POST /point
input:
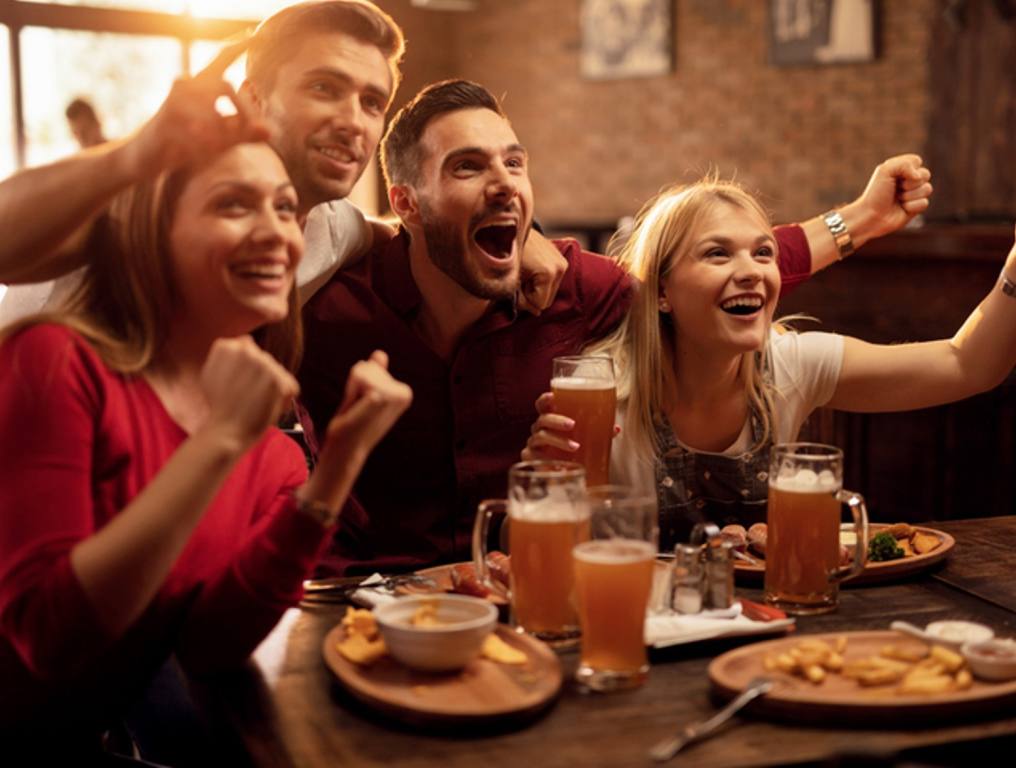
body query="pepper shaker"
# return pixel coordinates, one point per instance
(718, 593)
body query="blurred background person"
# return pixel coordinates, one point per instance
(84, 123)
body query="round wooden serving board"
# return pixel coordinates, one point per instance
(484, 689)
(840, 700)
(873, 572)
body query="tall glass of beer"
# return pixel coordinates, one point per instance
(613, 581)
(584, 390)
(803, 569)
(547, 514)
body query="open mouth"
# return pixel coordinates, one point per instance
(497, 240)
(260, 271)
(742, 305)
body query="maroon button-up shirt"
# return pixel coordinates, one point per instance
(415, 500)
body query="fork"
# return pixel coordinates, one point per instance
(669, 747)
(342, 586)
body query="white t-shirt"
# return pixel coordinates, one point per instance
(806, 368)
(336, 233)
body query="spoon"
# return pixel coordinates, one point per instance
(669, 747)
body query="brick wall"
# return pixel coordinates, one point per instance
(806, 137)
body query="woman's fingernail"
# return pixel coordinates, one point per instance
(570, 423)
(572, 445)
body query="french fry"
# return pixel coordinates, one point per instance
(904, 652)
(951, 660)
(964, 680)
(925, 684)
(883, 676)
(815, 674)
(786, 663)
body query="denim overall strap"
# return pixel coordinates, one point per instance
(696, 487)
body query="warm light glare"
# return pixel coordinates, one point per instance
(255, 10)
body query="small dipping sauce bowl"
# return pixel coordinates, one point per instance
(993, 659)
(952, 634)
(958, 633)
(464, 623)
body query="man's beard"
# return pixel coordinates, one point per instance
(448, 253)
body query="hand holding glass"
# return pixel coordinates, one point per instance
(584, 391)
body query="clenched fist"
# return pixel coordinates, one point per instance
(246, 388)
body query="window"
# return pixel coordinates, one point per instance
(121, 55)
(7, 160)
(125, 77)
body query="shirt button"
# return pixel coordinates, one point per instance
(744, 492)
(745, 457)
(706, 475)
(700, 503)
(762, 476)
(668, 482)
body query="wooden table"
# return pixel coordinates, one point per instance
(286, 710)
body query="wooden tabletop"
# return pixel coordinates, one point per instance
(285, 708)
(982, 563)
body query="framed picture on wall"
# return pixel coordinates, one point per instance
(822, 31)
(626, 38)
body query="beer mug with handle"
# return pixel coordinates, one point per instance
(803, 569)
(546, 513)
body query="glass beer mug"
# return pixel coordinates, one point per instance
(803, 570)
(584, 390)
(546, 514)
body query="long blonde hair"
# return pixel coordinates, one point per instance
(124, 302)
(643, 345)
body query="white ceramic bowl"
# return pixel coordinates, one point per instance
(955, 634)
(466, 621)
(992, 659)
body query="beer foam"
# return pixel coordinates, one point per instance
(580, 382)
(614, 551)
(792, 480)
(556, 507)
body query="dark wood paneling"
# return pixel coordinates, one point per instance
(941, 463)
(972, 116)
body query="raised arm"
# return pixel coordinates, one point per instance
(897, 191)
(909, 376)
(42, 241)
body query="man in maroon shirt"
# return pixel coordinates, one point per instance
(440, 299)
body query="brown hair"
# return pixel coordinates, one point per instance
(280, 33)
(124, 302)
(401, 156)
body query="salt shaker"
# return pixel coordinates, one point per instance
(687, 593)
(718, 591)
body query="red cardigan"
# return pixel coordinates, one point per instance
(77, 443)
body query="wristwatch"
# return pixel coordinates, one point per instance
(838, 229)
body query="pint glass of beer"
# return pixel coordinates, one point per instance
(584, 390)
(803, 569)
(613, 581)
(547, 514)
